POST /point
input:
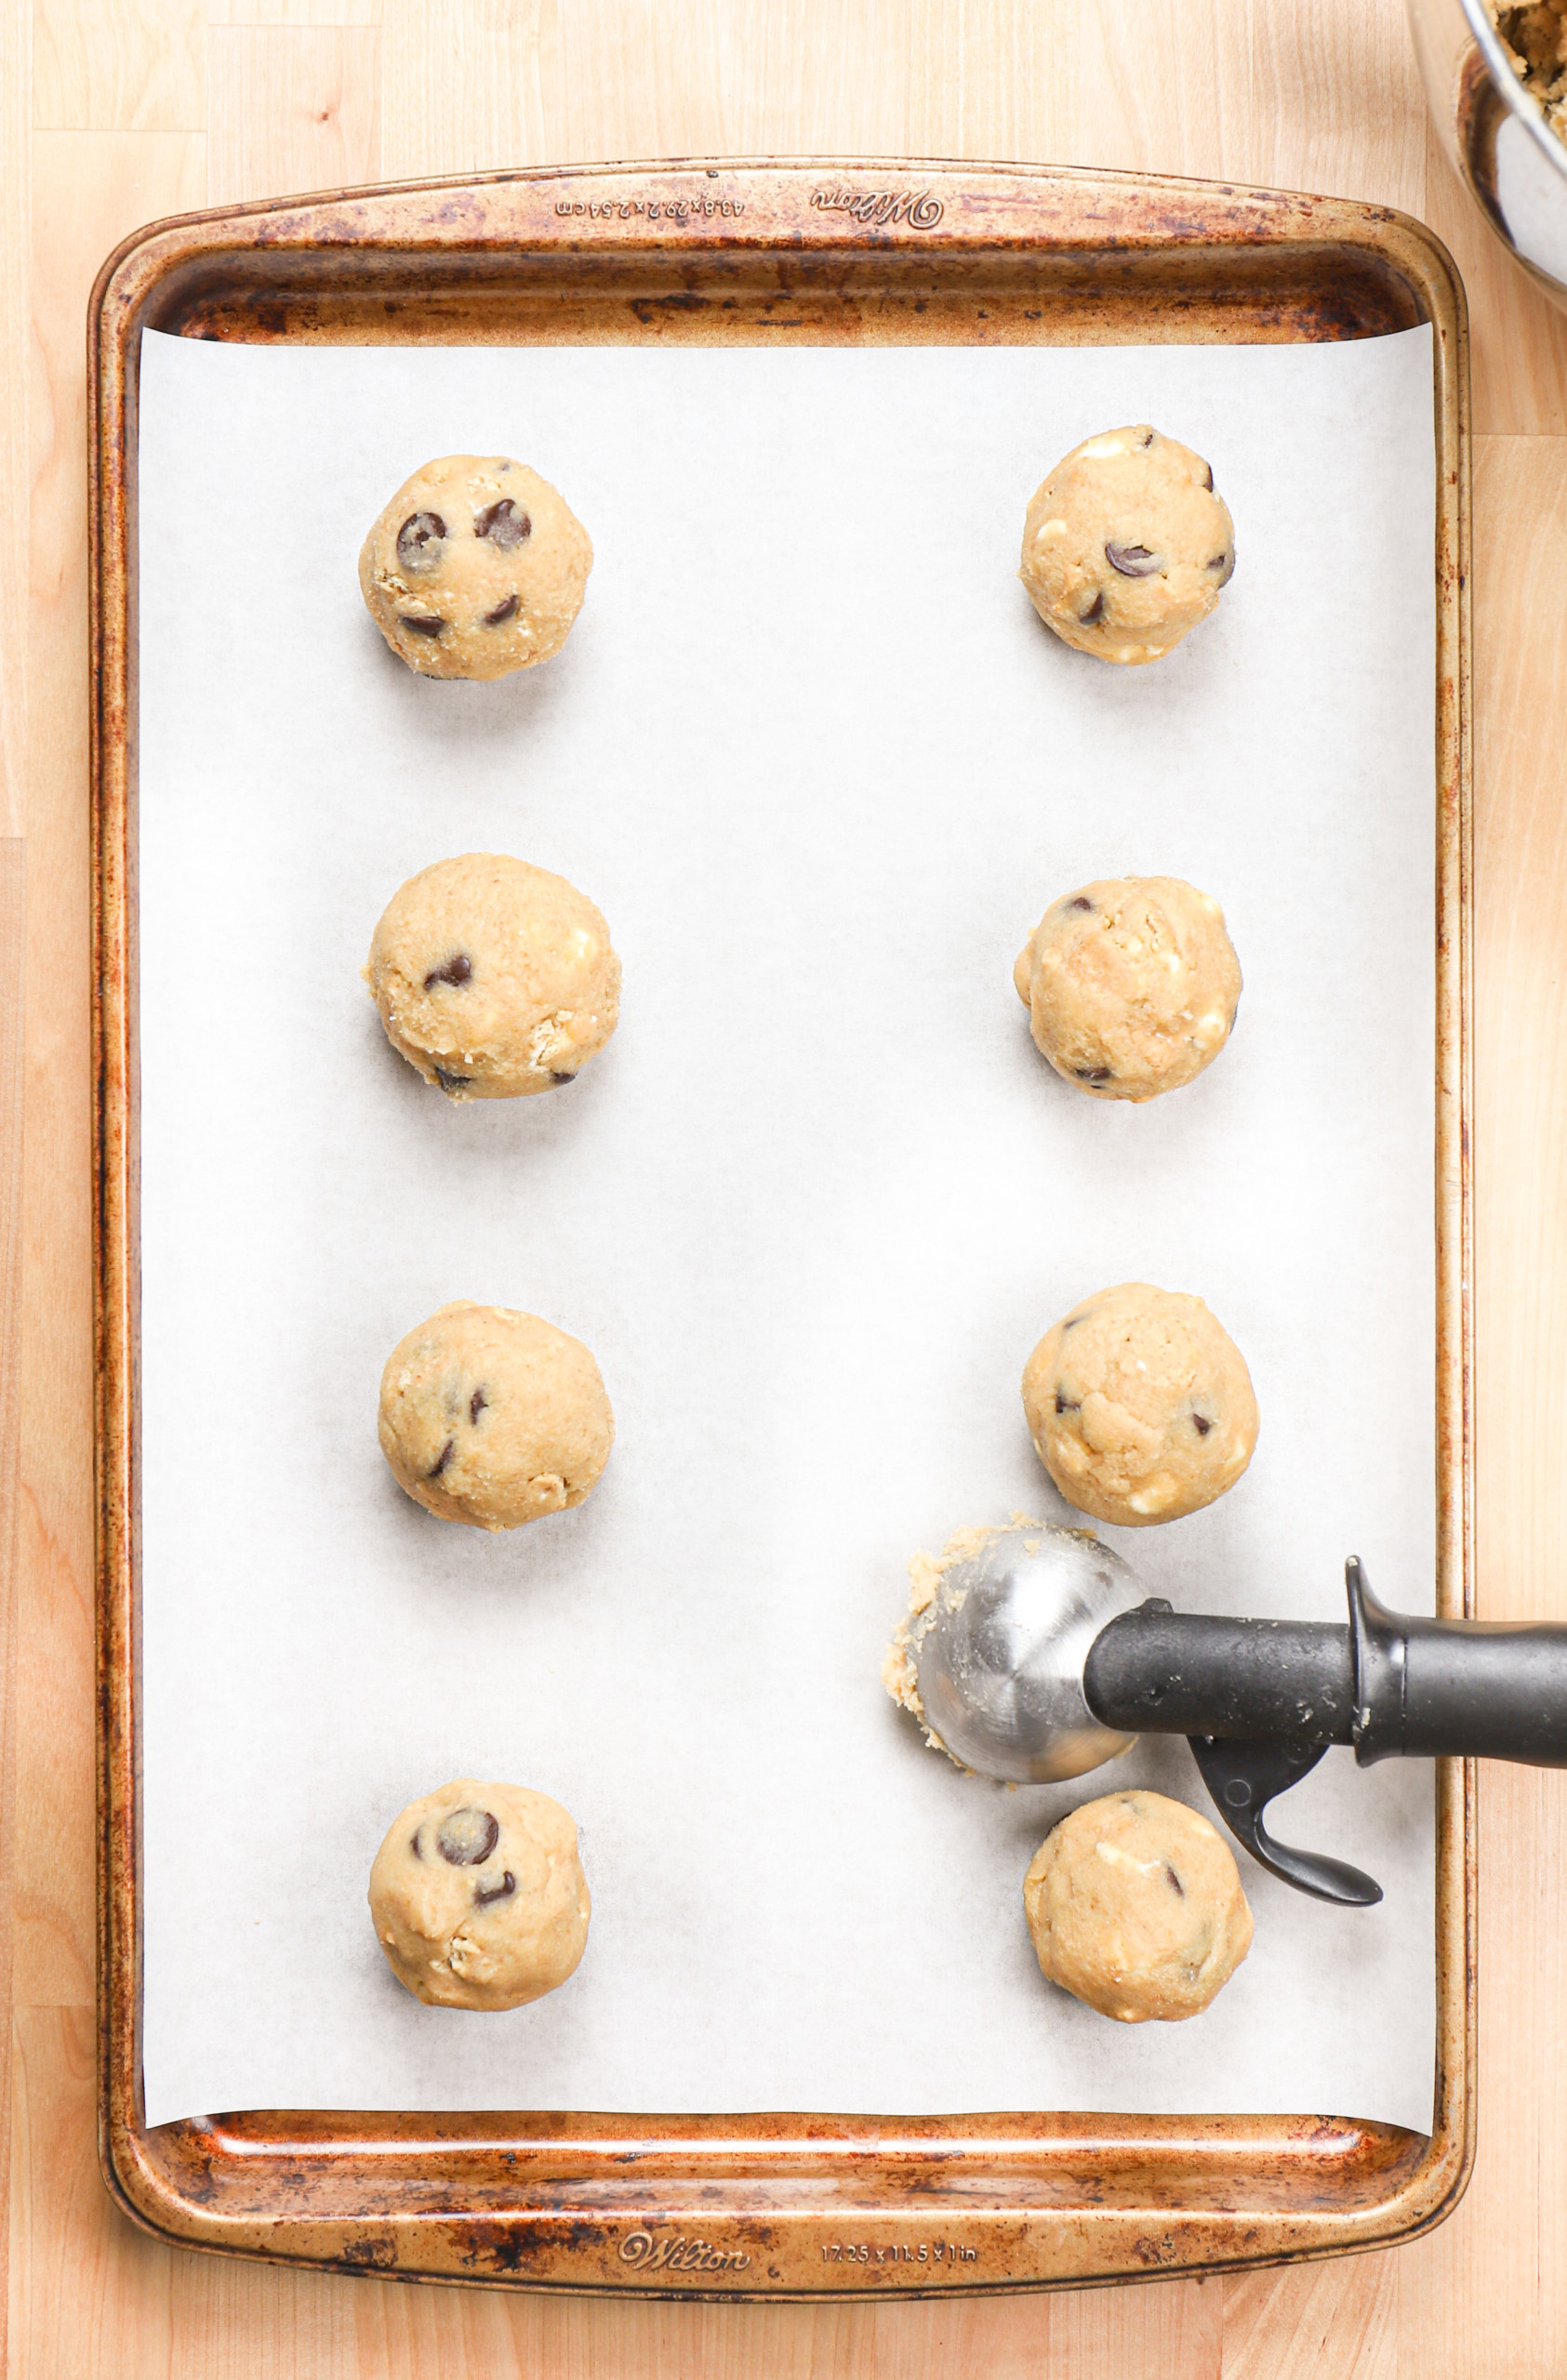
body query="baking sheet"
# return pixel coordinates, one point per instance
(814, 758)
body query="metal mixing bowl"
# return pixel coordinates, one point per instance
(1495, 134)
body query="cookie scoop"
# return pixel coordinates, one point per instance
(1032, 1654)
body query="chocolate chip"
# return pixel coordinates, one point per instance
(466, 1837)
(421, 541)
(1149, 440)
(1072, 1320)
(503, 1891)
(1095, 1074)
(1081, 903)
(452, 1082)
(1175, 1879)
(442, 1459)
(504, 524)
(1203, 1424)
(421, 622)
(415, 1846)
(477, 1404)
(1066, 1405)
(1095, 610)
(556, 1078)
(501, 612)
(456, 971)
(1132, 561)
(1208, 483)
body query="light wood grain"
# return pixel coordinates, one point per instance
(291, 107)
(146, 106)
(16, 209)
(118, 65)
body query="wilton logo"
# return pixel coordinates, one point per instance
(877, 208)
(644, 2253)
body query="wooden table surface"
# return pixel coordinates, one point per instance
(115, 111)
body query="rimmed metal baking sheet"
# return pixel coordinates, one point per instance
(774, 2205)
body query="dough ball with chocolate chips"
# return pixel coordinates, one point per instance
(1125, 546)
(494, 979)
(1135, 1905)
(478, 1897)
(493, 1418)
(476, 568)
(1130, 985)
(1140, 1405)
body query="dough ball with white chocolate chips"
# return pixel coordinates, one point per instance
(494, 1418)
(1140, 1405)
(476, 568)
(1135, 1905)
(494, 979)
(1131, 986)
(1125, 545)
(478, 1897)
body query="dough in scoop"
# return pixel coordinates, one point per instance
(494, 979)
(1140, 1405)
(1131, 986)
(478, 1897)
(493, 1418)
(1125, 545)
(476, 568)
(1135, 1905)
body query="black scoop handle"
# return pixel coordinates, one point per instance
(1390, 1683)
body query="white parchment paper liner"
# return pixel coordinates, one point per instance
(814, 758)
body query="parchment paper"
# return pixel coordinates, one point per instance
(813, 755)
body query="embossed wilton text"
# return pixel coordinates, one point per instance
(876, 207)
(644, 2253)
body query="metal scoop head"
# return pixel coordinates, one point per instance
(1000, 1658)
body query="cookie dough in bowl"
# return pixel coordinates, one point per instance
(494, 978)
(476, 568)
(1140, 1405)
(1125, 545)
(478, 1898)
(493, 1418)
(1135, 1905)
(1131, 986)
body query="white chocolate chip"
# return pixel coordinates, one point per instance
(1116, 1859)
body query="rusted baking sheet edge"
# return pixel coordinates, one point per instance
(782, 2205)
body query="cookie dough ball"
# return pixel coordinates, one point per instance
(1134, 1905)
(494, 979)
(493, 1418)
(1129, 986)
(478, 1897)
(1139, 1406)
(476, 568)
(1125, 546)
